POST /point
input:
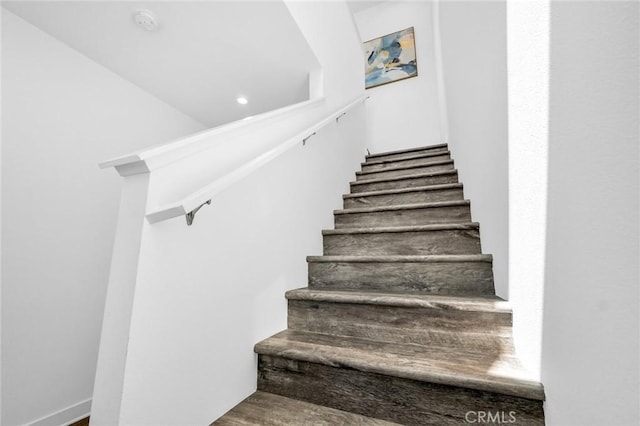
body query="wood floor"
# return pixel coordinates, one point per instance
(81, 422)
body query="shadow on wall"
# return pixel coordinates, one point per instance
(590, 332)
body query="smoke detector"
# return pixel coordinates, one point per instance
(146, 20)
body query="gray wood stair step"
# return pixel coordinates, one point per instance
(418, 158)
(408, 181)
(455, 211)
(406, 150)
(407, 384)
(455, 350)
(495, 371)
(429, 274)
(399, 154)
(458, 238)
(411, 195)
(446, 303)
(394, 317)
(393, 229)
(267, 409)
(485, 258)
(405, 401)
(405, 170)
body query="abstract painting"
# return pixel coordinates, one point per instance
(390, 58)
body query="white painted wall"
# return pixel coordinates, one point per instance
(591, 324)
(473, 45)
(528, 52)
(202, 296)
(61, 114)
(1, 350)
(403, 114)
(336, 49)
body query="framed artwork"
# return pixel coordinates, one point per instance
(390, 58)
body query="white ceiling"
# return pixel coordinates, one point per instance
(357, 5)
(204, 55)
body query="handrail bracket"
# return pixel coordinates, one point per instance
(192, 214)
(304, 141)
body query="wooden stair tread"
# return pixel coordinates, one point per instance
(405, 259)
(434, 349)
(267, 409)
(399, 229)
(411, 157)
(445, 356)
(405, 190)
(396, 207)
(403, 167)
(404, 151)
(450, 303)
(404, 177)
(491, 372)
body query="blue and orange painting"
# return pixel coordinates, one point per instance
(390, 58)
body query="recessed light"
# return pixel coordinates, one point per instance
(242, 100)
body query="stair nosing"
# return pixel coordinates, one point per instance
(396, 207)
(417, 156)
(293, 405)
(407, 167)
(438, 187)
(395, 178)
(336, 356)
(432, 258)
(403, 151)
(401, 229)
(459, 303)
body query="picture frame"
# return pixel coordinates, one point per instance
(390, 58)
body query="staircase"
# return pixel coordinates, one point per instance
(400, 323)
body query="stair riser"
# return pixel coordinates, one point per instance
(430, 196)
(404, 183)
(464, 241)
(404, 155)
(400, 400)
(418, 216)
(408, 162)
(404, 172)
(397, 324)
(443, 278)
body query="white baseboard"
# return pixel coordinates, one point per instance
(66, 416)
